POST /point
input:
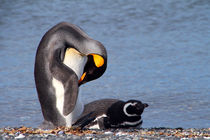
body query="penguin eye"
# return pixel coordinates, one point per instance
(138, 107)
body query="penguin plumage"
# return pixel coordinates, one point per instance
(111, 113)
(65, 59)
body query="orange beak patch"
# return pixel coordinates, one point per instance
(82, 77)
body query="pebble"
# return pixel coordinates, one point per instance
(108, 133)
(127, 134)
(60, 132)
(20, 136)
(120, 134)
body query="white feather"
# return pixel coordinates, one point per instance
(125, 108)
(59, 93)
(131, 123)
(99, 117)
(96, 126)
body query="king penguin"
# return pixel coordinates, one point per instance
(65, 59)
(112, 113)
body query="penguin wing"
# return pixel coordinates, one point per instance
(70, 96)
(85, 120)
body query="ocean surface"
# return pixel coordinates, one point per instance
(158, 52)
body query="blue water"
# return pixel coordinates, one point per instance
(158, 52)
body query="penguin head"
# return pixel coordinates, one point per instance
(86, 66)
(134, 108)
(88, 48)
(94, 68)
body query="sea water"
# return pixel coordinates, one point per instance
(158, 52)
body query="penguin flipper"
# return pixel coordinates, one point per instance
(84, 121)
(70, 97)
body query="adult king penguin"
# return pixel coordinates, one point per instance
(66, 58)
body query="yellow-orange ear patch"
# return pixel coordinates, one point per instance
(98, 60)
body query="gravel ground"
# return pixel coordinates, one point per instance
(127, 134)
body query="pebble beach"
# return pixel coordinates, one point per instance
(128, 134)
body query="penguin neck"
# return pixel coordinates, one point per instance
(75, 60)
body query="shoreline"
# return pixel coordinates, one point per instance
(69, 133)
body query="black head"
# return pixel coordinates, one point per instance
(134, 108)
(93, 70)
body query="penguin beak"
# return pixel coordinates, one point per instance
(82, 77)
(146, 105)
